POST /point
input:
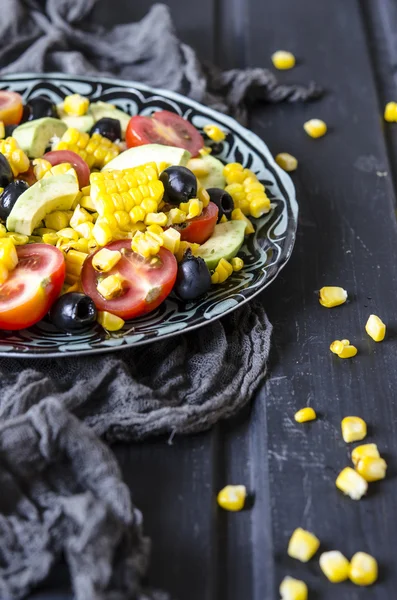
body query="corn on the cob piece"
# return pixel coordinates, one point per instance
(214, 132)
(293, 589)
(96, 150)
(16, 157)
(283, 60)
(351, 483)
(247, 191)
(75, 105)
(305, 414)
(363, 569)
(375, 328)
(109, 321)
(303, 545)
(335, 566)
(232, 497)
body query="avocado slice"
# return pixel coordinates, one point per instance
(225, 242)
(214, 168)
(45, 196)
(99, 110)
(83, 123)
(140, 155)
(34, 136)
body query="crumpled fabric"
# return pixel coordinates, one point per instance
(63, 38)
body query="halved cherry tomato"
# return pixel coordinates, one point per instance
(28, 176)
(164, 127)
(199, 229)
(147, 282)
(56, 157)
(32, 286)
(11, 108)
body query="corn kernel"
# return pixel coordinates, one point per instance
(237, 215)
(155, 229)
(203, 195)
(8, 254)
(375, 328)
(111, 286)
(351, 483)
(184, 247)
(293, 589)
(214, 132)
(58, 219)
(156, 219)
(76, 105)
(232, 497)
(371, 468)
(354, 429)
(68, 233)
(390, 114)
(363, 569)
(223, 270)
(75, 257)
(85, 230)
(259, 206)
(171, 239)
(80, 215)
(215, 278)
(303, 545)
(283, 60)
(335, 566)
(2, 130)
(176, 216)
(102, 233)
(41, 166)
(287, 161)
(3, 230)
(105, 260)
(3, 273)
(305, 414)
(18, 238)
(109, 321)
(137, 214)
(50, 238)
(343, 349)
(370, 450)
(237, 263)
(331, 296)
(315, 128)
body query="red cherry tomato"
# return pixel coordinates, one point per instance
(11, 108)
(147, 282)
(199, 229)
(56, 157)
(32, 286)
(164, 127)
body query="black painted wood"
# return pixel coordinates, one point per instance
(347, 236)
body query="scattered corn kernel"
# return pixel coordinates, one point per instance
(303, 545)
(363, 569)
(375, 328)
(102, 233)
(283, 60)
(354, 429)
(111, 286)
(364, 450)
(237, 263)
(156, 219)
(247, 191)
(16, 157)
(18, 238)
(351, 483)
(68, 233)
(8, 254)
(105, 260)
(287, 161)
(214, 132)
(75, 257)
(50, 238)
(343, 349)
(331, 296)
(109, 321)
(305, 414)
(232, 497)
(390, 114)
(335, 566)
(237, 215)
(371, 468)
(41, 166)
(315, 128)
(184, 247)
(57, 220)
(76, 105)
(293, 589)
(222, 271)
(171, 240)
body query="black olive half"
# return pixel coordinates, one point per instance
(10, 196)
(223, 200)
(108, 128)
(40, 107)
(73, 312)
(180, 184)
(6, 175)
(193, 279)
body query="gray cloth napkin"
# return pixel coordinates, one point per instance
(62, 492)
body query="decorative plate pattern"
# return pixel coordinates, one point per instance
(264, 254)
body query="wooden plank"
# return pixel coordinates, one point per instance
(347, 236)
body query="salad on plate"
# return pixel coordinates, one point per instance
(103, 215)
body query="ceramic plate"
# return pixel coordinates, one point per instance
(264, 254)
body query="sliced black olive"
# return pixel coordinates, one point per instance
(73, 312)
(223, 200)
(10, 196)
(6, 175)
(108, 128)
(9, 130)
(27, 111)
(193, 279)
(180, 184)
(41, 107)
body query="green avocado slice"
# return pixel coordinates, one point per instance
(225, 242)
(140, 155)
(34, 136)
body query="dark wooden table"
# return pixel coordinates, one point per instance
(347, 236)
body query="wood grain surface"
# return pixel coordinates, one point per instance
(347, 236)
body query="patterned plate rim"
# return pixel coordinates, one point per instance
(231, 123)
